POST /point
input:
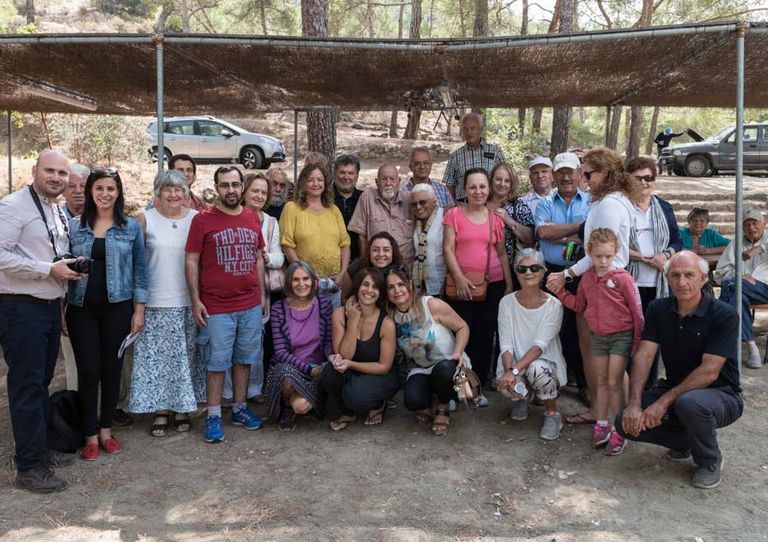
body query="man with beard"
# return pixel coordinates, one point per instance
(278, 182)
(385, 208)
(346, 170)
(225, 277)
(754, 284)
(540, 175)
(33, 279)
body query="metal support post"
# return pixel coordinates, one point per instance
(295, 146)
(741, 31)
(160, 98)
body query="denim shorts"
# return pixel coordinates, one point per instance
(231, 337)
(618, 344)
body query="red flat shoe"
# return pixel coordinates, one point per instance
(90, 452)
(111, 446)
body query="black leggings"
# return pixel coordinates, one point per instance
(482, 317)
(420, 387)
(96, 331)
(359, 393)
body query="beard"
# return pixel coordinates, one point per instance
(388, 194)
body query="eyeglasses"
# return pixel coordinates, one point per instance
(645, 178)
(588, 174)
(522, 269)
(230, 186)
(420, 203)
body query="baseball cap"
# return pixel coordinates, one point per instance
(539, 161)
(567, 159)
(753, 214)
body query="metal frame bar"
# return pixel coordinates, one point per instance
(741, 31)
(160, 105)
(295, 145)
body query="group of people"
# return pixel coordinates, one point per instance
(353, 295)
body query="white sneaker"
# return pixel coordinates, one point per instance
(452, 406)
(753, 361)
(481, 401)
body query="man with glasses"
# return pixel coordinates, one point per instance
(420, 165)
(225, 277)
(280, 185)
(540, 175)
(346, 170)
(428, 266)
(33, 280)
(557, 221)
(385, 208)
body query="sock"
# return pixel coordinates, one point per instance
(237, 407)
(753, 350)
(214, 411)
(602, 423)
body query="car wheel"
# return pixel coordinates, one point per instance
(251, 158)
(153, 155)
(697, 166)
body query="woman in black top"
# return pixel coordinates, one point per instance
(362, 375)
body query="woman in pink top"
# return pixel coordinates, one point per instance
(610, 301)
(465, 248)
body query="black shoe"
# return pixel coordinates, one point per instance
(58, 459)
(121, 418)
(40, 480)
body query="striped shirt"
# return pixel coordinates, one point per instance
(485, 155)
(443, 195)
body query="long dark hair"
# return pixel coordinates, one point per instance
(89, 212)
(377, 276)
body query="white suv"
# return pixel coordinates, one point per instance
(214, 141)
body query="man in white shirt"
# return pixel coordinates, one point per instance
(754, 286)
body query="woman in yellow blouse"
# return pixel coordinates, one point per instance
(312, 230)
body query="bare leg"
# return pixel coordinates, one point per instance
(616, 372)
(600, 365)
(551, 406)
(240, 375)
(215, 387)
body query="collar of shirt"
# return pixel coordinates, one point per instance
(700, 311)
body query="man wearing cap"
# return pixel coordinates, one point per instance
(662, 142)
(475, 153)
(540, 174)
(557, 220)
(754, 286)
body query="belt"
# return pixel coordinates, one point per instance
(24, 298)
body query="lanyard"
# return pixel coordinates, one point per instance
(63, 219)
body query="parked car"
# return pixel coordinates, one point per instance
(718, 153)
(215, 141)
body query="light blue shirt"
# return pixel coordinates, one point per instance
(554, 210)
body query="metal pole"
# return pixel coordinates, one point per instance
(295, 145)
(10, 153)
(741, 30)
(160, 99)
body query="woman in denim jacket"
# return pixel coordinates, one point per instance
(106, 304)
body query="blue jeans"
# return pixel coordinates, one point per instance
(750, 293)
(232, 337)
(692, 421)
(30, 335)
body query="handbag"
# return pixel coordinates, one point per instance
(275, 278)
(466, 384)
(476, 278)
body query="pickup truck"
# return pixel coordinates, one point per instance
(706, 157)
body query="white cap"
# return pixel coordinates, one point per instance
(567, 159)
(753, 214)
(540, 161)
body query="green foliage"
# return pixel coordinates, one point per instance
(30, 28)
(99, 139)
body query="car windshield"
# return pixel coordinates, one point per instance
(721, 134)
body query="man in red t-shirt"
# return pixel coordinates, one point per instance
(225, 277)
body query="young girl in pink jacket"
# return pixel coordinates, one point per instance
(610, 301)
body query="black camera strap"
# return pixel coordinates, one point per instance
(63, 219)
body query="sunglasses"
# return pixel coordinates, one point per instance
(522, 269)
(645, 178)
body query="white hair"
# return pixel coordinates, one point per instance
(426, 188)
(170, 177)
(530, 253)
(79, 170)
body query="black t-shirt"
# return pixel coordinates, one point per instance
(96, 291)
(347, 207)
(713, 328)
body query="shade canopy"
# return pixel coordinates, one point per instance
(686, 65)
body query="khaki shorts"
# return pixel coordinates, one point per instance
(618, 344)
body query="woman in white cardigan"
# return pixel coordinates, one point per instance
(531, 360)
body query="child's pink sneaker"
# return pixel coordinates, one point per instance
(600, 435)
(616, 444)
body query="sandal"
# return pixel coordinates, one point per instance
(182, 423)
(376, 417)
(580, 419)
(440, 428)
(287, 421)
(159, 429)
(342, 421)
(424, 416)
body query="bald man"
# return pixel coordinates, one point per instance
(385, 208)
(33, 280)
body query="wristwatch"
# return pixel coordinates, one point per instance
(515, 371)
(569, 275)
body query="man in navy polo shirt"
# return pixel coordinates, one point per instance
(698, 336)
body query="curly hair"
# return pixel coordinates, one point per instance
(602, 236)
(301, 186)
(617, 179)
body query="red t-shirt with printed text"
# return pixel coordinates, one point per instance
(229, 246)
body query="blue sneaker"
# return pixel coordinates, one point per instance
(214, 429)
(247, 419)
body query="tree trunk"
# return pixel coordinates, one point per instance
(635, 131)
(185, 27)
(262, 15)
(321, 127)
(536, 122)
(652, 131)
(393, 124)
(612, 141)
(29, 11)
(521, 111)
(480, 26)
(627, 126)
(108, 6)
(414, 115)
(561, 116)
(462, 24)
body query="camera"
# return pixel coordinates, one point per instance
(80, 265)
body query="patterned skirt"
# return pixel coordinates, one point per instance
(168, 373)
(309, 388)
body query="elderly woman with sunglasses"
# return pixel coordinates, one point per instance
(531, 359)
